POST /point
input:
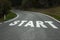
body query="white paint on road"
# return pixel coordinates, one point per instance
(22, 23)
(30, 23)
(51, 23)
(14, 23)
(38, 24)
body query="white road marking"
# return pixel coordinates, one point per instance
(22, 23)
(51, 24)
(30, 23)
(38, 24)
(14, 23)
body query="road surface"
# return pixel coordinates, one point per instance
(32, 32)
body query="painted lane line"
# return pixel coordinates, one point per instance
(38, 24)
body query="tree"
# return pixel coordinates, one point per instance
(35, 3)
(5, 7)
(16, 3)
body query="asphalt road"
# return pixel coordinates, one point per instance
(30, 33)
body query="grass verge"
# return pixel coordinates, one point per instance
(9, 16)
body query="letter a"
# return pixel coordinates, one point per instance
(30, 23)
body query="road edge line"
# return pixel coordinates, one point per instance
(51, 17)
(48, 16)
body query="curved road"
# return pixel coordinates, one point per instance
(16, 32)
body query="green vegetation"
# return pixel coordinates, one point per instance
(9, 16)
(54, 11)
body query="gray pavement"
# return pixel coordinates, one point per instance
(16, 32)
